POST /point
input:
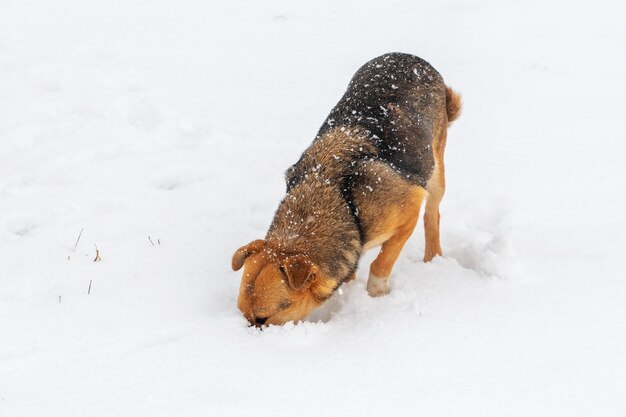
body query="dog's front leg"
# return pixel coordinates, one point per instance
(378, 282)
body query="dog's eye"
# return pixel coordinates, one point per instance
(284, 304)
(282, 269)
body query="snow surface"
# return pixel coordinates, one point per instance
(175, 121)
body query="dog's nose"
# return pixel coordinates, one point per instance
(260, 321)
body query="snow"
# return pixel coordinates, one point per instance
(175, 121)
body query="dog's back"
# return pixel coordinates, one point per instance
(400, 101)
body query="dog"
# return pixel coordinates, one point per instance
(360, 184)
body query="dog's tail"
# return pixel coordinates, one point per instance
(453, 104)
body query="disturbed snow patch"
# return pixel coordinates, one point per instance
(484, 242)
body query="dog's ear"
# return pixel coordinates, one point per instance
(300, 271)
(243, 252)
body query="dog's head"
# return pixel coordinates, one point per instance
(277, 288)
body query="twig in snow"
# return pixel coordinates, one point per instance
(79, 235)
(158, 241)
(150, 240)
(98, 258)
(59, 299)
(89, 290)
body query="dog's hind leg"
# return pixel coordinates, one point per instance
(436, 187)
(378, 282)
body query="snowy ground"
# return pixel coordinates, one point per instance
(175, 121)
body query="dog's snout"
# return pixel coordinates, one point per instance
(260, 321)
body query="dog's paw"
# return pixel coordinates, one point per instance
(377, 287)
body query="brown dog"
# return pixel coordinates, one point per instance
(360, 184)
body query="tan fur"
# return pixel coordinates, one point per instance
(400, 226)
(264, 292)
(436, 187)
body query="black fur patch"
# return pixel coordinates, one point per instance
(345, 187)
(395, 99)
